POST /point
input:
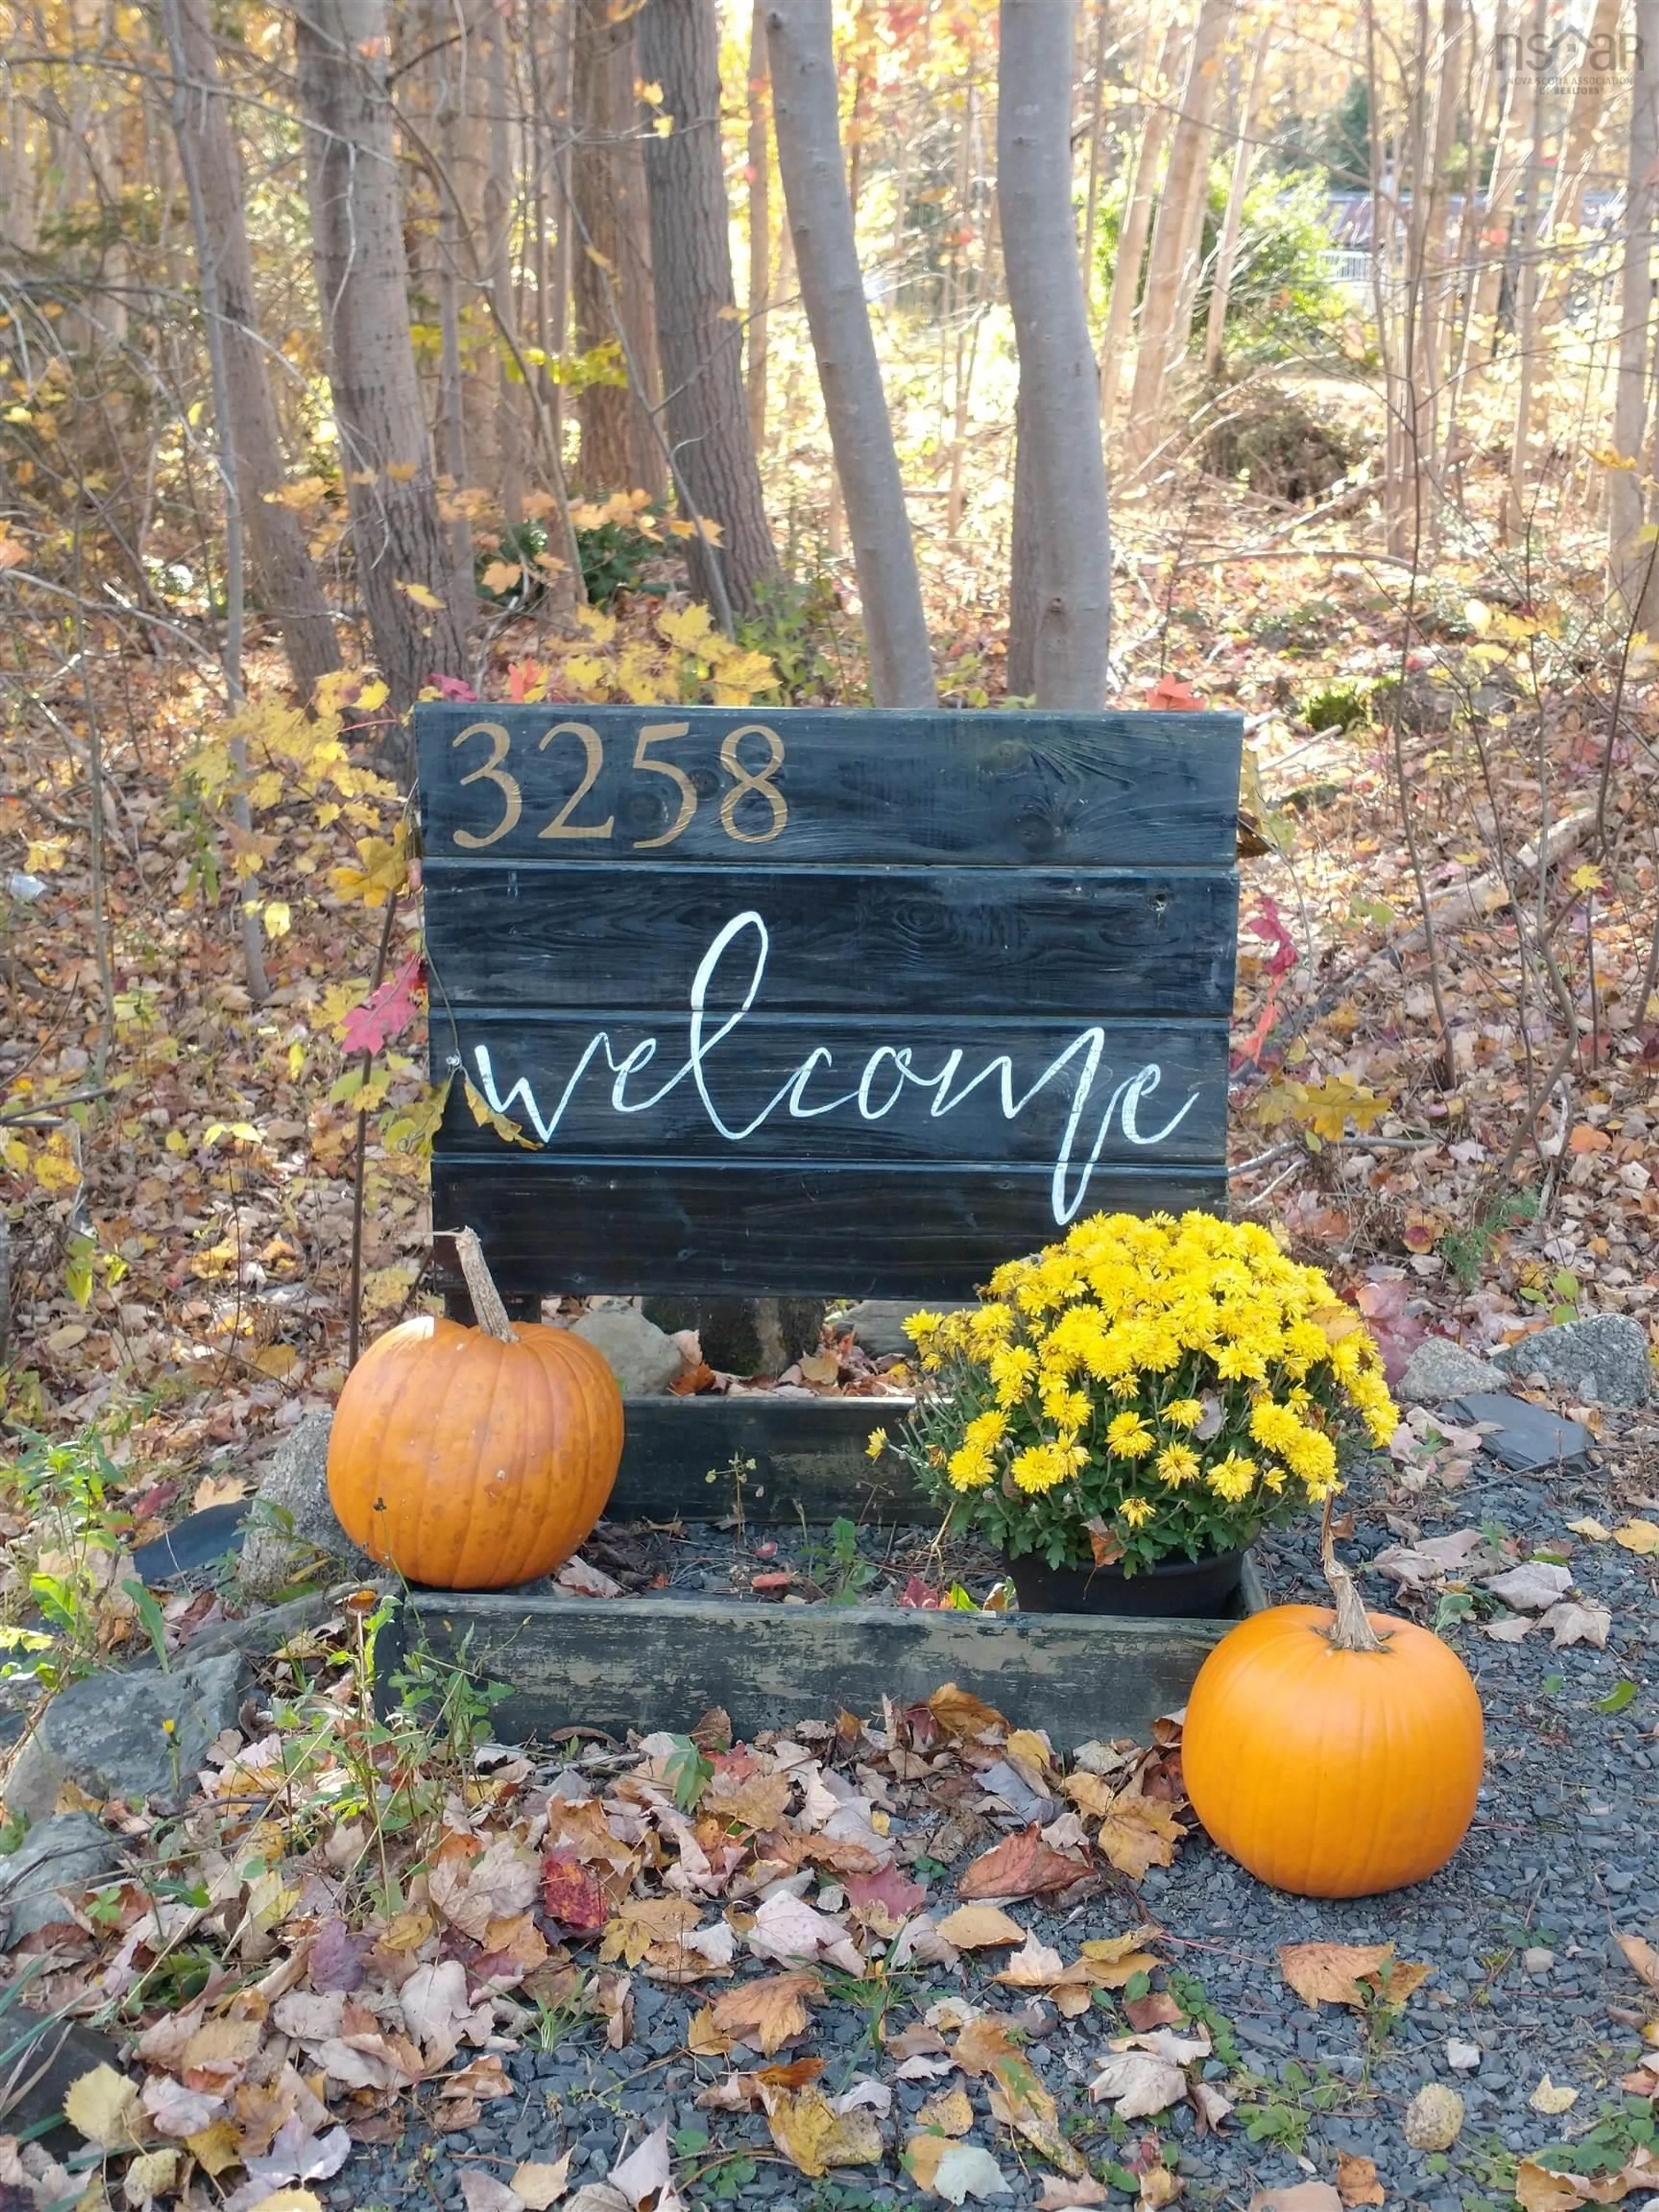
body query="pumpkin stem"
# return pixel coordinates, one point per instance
(1351, 1631)
(487, 1304)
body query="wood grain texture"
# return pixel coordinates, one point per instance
(636, 1224)
(861, 1103)
(840, 940)
(1055, 790)
(662, 1663)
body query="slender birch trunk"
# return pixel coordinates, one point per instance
(356, 216)
(1134, 229)
(1628, 561)
(760, 222)
(1226, 252)
(1155, 352)
(804, 117)
(292, 591)
(1060, 409)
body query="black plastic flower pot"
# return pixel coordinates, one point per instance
(1175, 1589)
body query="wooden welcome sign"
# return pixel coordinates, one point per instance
(816, 1003)
(823, 1002)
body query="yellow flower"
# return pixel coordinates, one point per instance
(1040, 1466)
(1012, 1366)
(1128, 1436)
(920, 1326)
(1136, 1511)
(1185, 1412)
(969, 1469)
(1232, 1479)
(876, 1444)
(985, 1429)
(1177, 1463)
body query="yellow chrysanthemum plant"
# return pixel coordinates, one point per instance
(1145, 1390)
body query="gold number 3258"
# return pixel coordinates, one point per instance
(746, 782)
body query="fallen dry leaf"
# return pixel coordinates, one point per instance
(1578, 1621)
(1349, 1973)
(1552, 2097)
(954, 2171)
(767, 2012)
(814, 2136)
(1639, 1536)
(1138, 2085)
(969, 1718)
(103, 2107)
(1356, 2180)
(948, 2114)
(1021, 1865)
(980, 1927)
(1643, 1956)
(1303, 2196)
(1158, 2187)
(481, 2192)
(1060, 2193)
(537, 2185)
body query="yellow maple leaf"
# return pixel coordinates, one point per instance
(103, 2107)
(688, 627)
(417, 594)
(486, 1116)
(502, 575)
(277, 917)
(382, 868)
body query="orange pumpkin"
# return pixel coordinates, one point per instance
(474, 1458)
(1333, 1752)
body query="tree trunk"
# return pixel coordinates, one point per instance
(605, 464)
(635, 300)
(1226, 252)
(759, 223)
(699, 332)
(1096, 142)
(1589, 106)
(1630, 564)
(351, 179)
(292, 592)
(799, 38)
(1515, 504)
(1131, 232)
(1155, 353)
(510, 397)
(1060, 407)
(1019, 669)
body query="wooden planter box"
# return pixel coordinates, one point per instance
(662, 1662)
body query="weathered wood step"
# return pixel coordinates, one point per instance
(650, 1664)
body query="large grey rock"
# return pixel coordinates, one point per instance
(1610, 1350)
(878, 1324)
(292, 1535)
(110, 1734)
(744, 1336)
(65, 1852)
(1438, 1370)
(643, 1357)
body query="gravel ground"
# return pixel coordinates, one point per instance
(1519, 1931)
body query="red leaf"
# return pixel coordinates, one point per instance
(387, 1013)
(451, 687)
(890, 1887)
(920, 1595)
(1171, 695)
(334, 1961)
(570, 1895)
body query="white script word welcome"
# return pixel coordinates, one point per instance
(887, 1074)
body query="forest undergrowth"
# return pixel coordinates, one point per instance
(1456, 1121)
